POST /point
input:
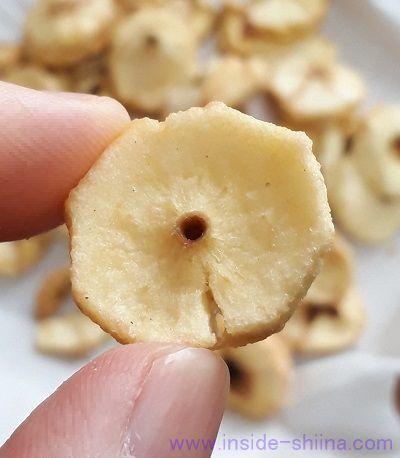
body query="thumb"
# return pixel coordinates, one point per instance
(134, 401)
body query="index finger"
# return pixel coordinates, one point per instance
(48, 142)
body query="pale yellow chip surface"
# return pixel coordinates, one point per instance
(206, 229)
(153, 50)
(365, 214)
(60, 33)
(17, 257)
(35, 77)
(260, 376)
(332, 315)
(68, 336)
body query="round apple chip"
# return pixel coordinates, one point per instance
(260, 377)
(332, 315)
(61, 33)
(376, 151)
(205, 229)
(152, 52)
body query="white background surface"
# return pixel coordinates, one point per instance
(349, 395)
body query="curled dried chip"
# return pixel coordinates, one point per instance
(258, 26)
(35, 77)
(364, 214)
(133, 5)
(283, 19)
(181, 98)
(332, 316)
(318, 328)
(202, 16)
(336, 275)
(308, 88)
(89, 76)
(153, 51)
(376, 151)
(69, 336)
(10, 55)
(53, 292)
(205, 229)
(233, 80)
(199, 14)
(229, 79)
(17, 257)
(61, 33)
(260, 377)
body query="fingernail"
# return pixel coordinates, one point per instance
(182, 399)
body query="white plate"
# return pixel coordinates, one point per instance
(343, 396)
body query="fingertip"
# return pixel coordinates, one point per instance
(133, 399)
(49, 141)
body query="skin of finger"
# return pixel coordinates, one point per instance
(48, 142)
(91, 414)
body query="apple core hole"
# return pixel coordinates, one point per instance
(192, 227)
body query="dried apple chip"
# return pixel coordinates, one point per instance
(53, 292)
(17, 257)
(153, 51)
(332, 315)
(232, 80)
(35, 77)
(68, 336)
(318, 328)
(376, 151)
(363, 213)
(10, 55)
(61, 33)
(260, 377)
(262, 26)
(205, 229)
(310, 88)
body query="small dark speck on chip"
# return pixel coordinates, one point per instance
(86, 297)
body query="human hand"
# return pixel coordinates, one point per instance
(134, 400)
